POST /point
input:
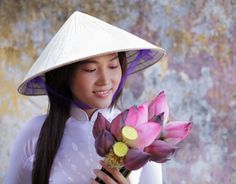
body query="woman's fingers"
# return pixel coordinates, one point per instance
(116, 174)
(117, 177)
(103, 176)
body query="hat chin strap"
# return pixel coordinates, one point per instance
(130, 70)
(61, 97)
(120, 87)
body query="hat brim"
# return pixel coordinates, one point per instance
(81, 37)
(33, 87)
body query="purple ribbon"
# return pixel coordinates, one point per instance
(142, 54)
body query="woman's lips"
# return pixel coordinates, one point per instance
(102, 93)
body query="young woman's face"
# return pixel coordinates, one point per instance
(96, 80)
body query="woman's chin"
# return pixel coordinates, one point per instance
(103, 105)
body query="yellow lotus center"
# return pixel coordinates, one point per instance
(120, 149)
(129, 133)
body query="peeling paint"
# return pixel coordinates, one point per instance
(198, 73)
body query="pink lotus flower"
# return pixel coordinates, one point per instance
(139, 134)
(172, 132)
(137, 118)
(176, 131)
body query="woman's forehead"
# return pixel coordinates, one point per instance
(111, 55)
(103, 58)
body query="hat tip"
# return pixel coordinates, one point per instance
(78, 14)
(75, 13)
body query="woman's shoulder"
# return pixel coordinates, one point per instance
(37, 119)
(33, 126)
(35, 122)
(27, 138)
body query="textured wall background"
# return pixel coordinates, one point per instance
(198, 73)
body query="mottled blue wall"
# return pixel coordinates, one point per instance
(198, 72)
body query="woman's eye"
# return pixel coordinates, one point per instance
(114, 66)
(89, 70)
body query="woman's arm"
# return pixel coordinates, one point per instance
(20, 165)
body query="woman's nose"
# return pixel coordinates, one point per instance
(103, 78)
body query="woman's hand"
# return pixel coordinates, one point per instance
(120, 179)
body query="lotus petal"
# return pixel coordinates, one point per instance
(147, 133)
(158, 106)
(137, 115)
(176, 131)
(160, 151)
(117, 124)
(142, 114)
(100, 124)
(132, 116)
(135, 159)
(104, 142)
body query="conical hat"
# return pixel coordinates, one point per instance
(81, 37)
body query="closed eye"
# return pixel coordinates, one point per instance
(114, 67)
(89, 70)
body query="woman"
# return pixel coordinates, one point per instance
(82, 70)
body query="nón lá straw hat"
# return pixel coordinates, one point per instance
(81, 37)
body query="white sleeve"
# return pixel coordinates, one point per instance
(20, 166)
(151, 174)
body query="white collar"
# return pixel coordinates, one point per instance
(80, 115)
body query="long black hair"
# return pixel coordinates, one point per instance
(58, 112)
